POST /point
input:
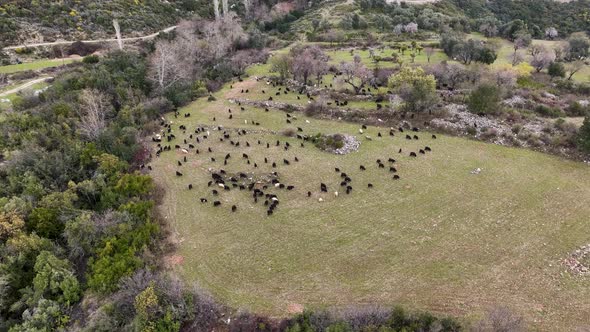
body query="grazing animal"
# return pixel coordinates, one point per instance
(290, 187)
(212, 159)
(234, 208)
(433, 136)
(392, 169)
(296, 159)
(190, 187)
(396, 177)
(421, 151)
(337, 169)
(214, 192)
(362, 168)
(408, 137)
(381, 166)
(274, 165)
(427, 148)
(216, 203)
(413, 154)
(370, 185)
(203, 200)
(400, 151)
(178, 173)
(179, 163)
(323, 188)
(416, 137)
(391, 160)
(286, 162)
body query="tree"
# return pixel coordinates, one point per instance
(574, 67)
(93, 112)
(416, 88)
(485, 99)
(356, 74)
(307, 61)
(54, 280)
(578, 46)
(522, 39)
(551, 33)
(489, 26)
(542, 57)
(280, 64)
(556, 69)
(170, 63)
(411, 28)
(584, 135)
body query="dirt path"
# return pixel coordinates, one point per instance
(24, 86)
(153, 35)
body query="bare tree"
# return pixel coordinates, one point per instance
(542, 57)
(168, 64)
(411, 27)
(308, 61)
(551, 33)
(356, 74)
(574, 67)
(500, 320)
(93, 113)
(216, 9)
(118, 33)
(225, 7)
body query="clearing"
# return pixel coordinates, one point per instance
(439, 239)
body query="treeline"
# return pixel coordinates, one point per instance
(538, 15)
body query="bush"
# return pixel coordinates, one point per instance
(328, 142)
(551, 112)
(485, 99)
(91, 59)
(584, 136)
(576, 109)
(556, 69)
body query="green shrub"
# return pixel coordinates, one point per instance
(546, 111)
(576, 109)
(485, 99)
(584, 136)
(91, 59)
(556, 69)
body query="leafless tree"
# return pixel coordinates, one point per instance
(551, 33)
(308, 61)
(411, 27)
(356, 74)
(93, 113)
(118, 33)
(166, 68)
(216, 9)
(541, 57)
(500, 320)
(225, 7)
(574, 67)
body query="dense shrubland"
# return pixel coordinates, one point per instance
(77, 219)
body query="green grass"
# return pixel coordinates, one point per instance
(506, 51)
(439, 239)
(36, 65)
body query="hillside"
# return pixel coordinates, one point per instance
(39, 21)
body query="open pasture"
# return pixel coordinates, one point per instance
(440, 238)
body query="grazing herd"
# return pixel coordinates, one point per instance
(263, 187)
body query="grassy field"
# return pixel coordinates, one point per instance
(439, 239)
(506, 51)
(35, 65)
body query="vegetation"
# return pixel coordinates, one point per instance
(485, 99)
(108, 209)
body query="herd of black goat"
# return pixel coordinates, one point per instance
(258, 185)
